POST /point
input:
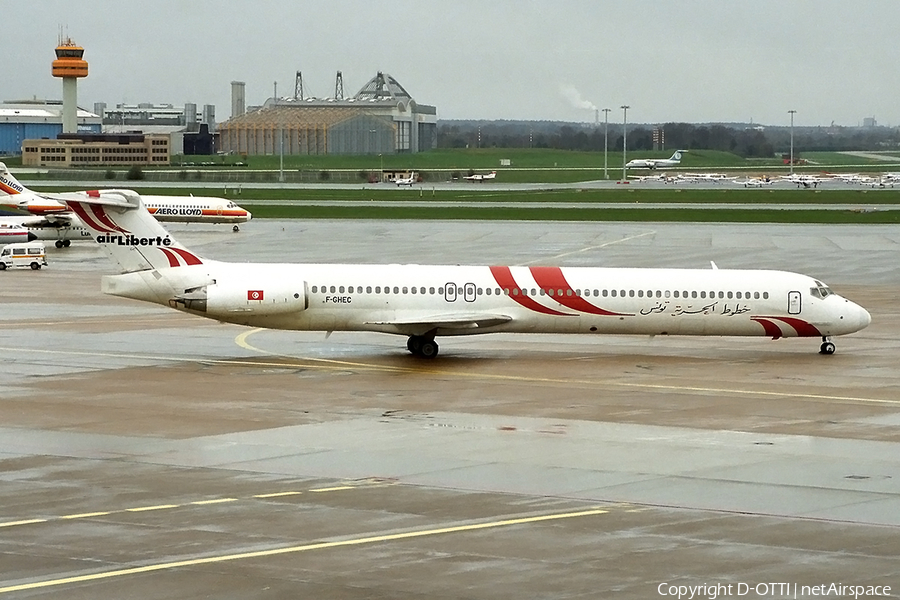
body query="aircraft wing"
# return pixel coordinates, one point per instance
(420, 324)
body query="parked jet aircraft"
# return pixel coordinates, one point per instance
(655, 163)
(406, 180)
(17, 198)
(423, 302)
(481, 178)
(12, 232)
(59, 228)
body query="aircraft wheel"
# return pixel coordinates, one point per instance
(67, 243)
(414, 344)
(235, 228)
(429, 349)
(826, 348)
(59, 243)
(35, 266)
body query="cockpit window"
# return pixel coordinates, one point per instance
(820, 291)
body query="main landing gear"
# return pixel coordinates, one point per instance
(235, 229)
(63, 243)
(422, 346)
(827, 346)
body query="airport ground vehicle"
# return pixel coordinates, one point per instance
(23, 255)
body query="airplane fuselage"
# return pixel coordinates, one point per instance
(400, 299)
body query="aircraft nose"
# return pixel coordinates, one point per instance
(864, 317)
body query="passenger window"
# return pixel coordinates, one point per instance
(413, 290)
(738, 295)
(721, 295)
(765, 295)
(640, 293)
(693, 294)
(313, 289)
(488, 291)
(341, 290)
(377, 289)
(703, 294)
(613, 292)
(756, 295)
(675, 293)
(368, 289)
(605, 293)
(668, 294)
(396, 289)
(332, 289)
(730, 295)
(631, 293)
(431, 291)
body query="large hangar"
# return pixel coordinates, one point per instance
(382, 118)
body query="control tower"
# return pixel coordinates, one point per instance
(70, 65)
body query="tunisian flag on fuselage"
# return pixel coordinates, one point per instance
(254, 294)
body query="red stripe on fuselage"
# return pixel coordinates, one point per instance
(802, 328)
(552, 278)
(503, 277)
(770, 328)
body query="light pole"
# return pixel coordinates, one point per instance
(625, 108)
(281, 154)
(605, 143)
(792, 140)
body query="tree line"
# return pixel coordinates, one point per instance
(747, 140)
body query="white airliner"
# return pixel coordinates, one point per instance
(422, 302)
(481, 177)
(60, 228)
(406, 180)
(11, 232)
(655, 163)
(17, 198)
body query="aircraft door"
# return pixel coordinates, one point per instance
(450, 292)
(793, 303)
(469, 292)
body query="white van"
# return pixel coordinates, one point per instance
(23, 255)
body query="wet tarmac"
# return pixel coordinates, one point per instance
(149, 454)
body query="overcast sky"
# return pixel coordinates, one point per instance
(693, 60)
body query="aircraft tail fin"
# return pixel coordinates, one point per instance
(677, 156)
(9, 185)
(133, 239)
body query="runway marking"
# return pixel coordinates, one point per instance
(86, 515)
(593, 383)
(333, 364)
(138, 509)
(588, 248)
(277, 494)
(148, 508)
(25, 522)
(391, 537)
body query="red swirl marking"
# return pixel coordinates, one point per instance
(802, 328)
(101, 215)
(190, 259)
(503, 277)
(173, 260)
(553, 278)
(770, 328)
(78, 209)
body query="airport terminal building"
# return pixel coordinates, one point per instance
(382, 118)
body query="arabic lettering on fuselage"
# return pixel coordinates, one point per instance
(690, 309)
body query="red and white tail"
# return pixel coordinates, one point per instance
(9, 185)
(119, 222)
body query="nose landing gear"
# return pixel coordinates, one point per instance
(827, 346)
